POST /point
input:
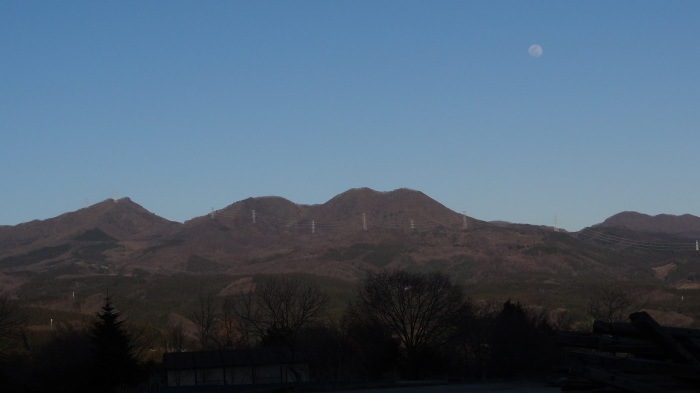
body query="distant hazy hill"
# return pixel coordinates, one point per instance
(683, 226)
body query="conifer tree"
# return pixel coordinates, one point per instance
(113, 362)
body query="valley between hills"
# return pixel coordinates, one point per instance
(63, 267)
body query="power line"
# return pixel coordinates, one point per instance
(605, 237)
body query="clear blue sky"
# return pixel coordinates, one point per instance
(187, 105)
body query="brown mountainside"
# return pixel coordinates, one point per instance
(357, 230)
(685, 225)
(120, 219)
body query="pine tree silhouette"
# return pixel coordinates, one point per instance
(113, 362)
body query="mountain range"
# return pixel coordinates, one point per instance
(357, 230)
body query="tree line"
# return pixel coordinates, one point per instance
(400, 324)
(103, 356)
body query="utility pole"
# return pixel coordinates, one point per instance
(313, 226)
(464, 220)
(253, 216)
(364, 222)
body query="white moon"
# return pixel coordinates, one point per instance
(535, 50)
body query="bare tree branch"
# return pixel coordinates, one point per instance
(418, 308)
(206, 319)
(610, 303)
(175, 339)
(277, 310)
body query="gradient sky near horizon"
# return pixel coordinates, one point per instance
(185, 106)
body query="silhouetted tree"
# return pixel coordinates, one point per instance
(63, 363)
(277, 310)
(474, 332)
(331, 354)
(230, 335)
(113, 362)
(521, 343)
(610, 303)
(373, 352)
(420, 309)
(175, 339)
(206, 319)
